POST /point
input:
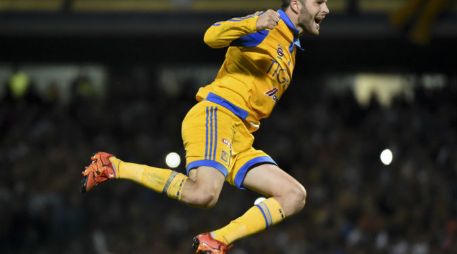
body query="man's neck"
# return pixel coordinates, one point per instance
(293, 18)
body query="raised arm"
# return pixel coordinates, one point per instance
(222, 33)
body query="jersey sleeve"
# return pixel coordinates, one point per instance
(222, 33)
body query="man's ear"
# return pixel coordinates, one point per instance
(295, 6)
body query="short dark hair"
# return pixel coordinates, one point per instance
(285, 4)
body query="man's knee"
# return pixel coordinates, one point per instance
(299, 195)
(203, 187)
(206, 199)
(203, 196)
(293, 199)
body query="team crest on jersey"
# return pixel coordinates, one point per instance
(280, 51)
(273, 94)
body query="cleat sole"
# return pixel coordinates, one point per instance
(195, 243)
(83, 184)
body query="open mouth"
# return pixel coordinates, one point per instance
(318, 21)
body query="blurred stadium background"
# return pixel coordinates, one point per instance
(78, 76)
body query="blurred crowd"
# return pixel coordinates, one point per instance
(328, 142)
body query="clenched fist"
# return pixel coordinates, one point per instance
(268, 20)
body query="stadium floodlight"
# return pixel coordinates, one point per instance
(386, 156)
(173, 160)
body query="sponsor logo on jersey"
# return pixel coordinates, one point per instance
(273, 93)
(276, 69)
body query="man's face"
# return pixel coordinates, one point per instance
(312, 12)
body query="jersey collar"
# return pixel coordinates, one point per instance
(292, 27)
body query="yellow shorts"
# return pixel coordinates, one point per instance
(215, 137)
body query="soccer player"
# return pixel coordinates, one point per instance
(217, 131)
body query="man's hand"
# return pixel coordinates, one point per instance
(268, 20)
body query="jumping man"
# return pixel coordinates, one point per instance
(217, 131)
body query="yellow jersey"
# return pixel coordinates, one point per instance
(257, 69)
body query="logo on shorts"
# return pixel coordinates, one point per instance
(224, 156)
(226, 142)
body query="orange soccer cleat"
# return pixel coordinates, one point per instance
(97, 172)
(205, 244)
